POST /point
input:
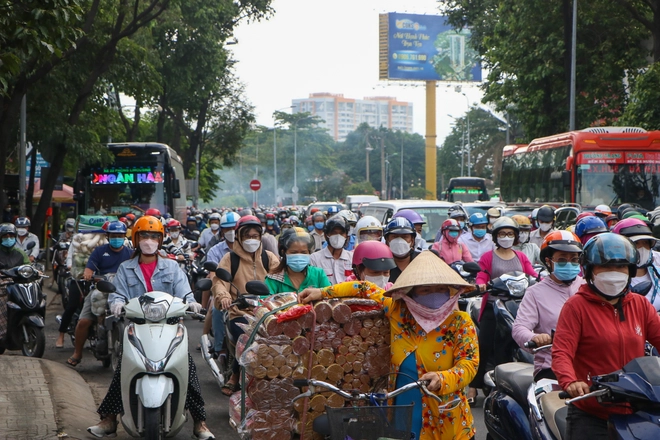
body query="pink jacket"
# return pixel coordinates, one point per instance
(452, 252)
(538, 313)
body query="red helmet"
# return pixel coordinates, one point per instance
(130, 216)
(375, 255)
(270, 215)
(174, 224)
(248, 220)
(153, 212)
(450, 224)
(583, 215)
(122, 219)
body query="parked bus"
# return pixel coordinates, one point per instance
(598, 165)
(466, 189)
(142, 176)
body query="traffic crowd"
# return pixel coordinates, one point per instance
(581, 303)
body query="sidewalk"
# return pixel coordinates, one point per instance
(41, 399)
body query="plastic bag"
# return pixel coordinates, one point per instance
(294, 312)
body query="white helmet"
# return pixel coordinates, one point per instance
(369, 228)
(350, 216)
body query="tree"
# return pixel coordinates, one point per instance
(643, 109)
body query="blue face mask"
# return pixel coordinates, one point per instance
(116, 243)
(453, 234)
(319, 225)
(566, 272)
(431, 300)
(479, 233)
(8, 242)
(461, 224)
(310, 228)
(297, 262)
(270, 222)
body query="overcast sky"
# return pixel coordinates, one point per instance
(311, 46)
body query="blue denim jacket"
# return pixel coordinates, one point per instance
(168, 277)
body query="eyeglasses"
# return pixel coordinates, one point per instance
(563, 261)
(148, 235)
(506, 235)
(252, 237)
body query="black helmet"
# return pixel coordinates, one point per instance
(545, 214)
(336, 221)
(622, 208)
(609, 249)
(22, 222)
(7, 228)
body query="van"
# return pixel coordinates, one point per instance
(354, 202)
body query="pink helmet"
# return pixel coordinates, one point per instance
(375, 255)
(635, 229)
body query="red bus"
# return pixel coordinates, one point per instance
(598, 165)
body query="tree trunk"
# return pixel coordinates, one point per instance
(47, 187)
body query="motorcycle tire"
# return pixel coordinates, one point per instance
(116, 349)
(36, 343)
(152, 424)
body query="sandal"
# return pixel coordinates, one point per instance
(230, 388)
(73, 362)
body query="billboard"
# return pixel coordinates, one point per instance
(425, 48)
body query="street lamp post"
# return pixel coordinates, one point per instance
(467, 115)
(401, 170)
(463, 142)
(277, 202)
(294, 190)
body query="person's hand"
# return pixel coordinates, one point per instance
(225, 303)
(180, 257)
(577, 389)
(542, 339)
(435, 380)
(31, 259)
(310, 294)
(481, 288)
(194, 307)
(116, 307)
(87, 274)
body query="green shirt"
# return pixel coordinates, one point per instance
(280, 282)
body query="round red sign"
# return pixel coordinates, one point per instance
(255, 185)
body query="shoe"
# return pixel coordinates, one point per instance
(105, 428)
(201, 431)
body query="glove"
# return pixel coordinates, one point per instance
(116, 308)
(194, 307)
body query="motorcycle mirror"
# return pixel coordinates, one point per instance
(472, 268)
(210, 266)
(196, 233)
(31, 244)
(251, 300)
(257, 288)
(642, 288)
(105, 286)
(193, 244)
(223, 275)
(203, 284)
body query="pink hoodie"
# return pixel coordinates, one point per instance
(452, 251)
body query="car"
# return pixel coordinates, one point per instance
(482, 207)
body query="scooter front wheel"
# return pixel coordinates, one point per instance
(152, 424)
(36, 342)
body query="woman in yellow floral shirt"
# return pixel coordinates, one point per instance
(430, 340)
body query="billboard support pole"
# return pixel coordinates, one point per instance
(431, 149)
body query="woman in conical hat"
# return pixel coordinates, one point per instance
(430, 340)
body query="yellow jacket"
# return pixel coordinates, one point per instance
(450, 349)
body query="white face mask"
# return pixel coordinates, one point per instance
(174, 235)
(215, 226)
(148, 246)
(611, 284)
(545, 227)
(644, 256)
(251, 245)
(380, 280)
(523, 237)
(230, 236)
(21, 231)
(337, 241)
(399, 247)
(505, 242)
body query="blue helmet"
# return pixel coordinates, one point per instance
(400, 226)
(332, 209)
(229, 220)
(609, 249)
(478, 219)
(116, 227)
(590, 225)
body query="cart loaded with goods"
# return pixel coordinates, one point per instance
(345, 342)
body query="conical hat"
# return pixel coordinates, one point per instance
(427, 269)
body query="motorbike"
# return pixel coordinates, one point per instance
(154, 364)
(61, 274)
(470, 302)
(26, 310)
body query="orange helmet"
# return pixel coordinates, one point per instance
(523, 222)
(559, 241)
(147, 224)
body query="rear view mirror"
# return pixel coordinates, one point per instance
(566, 178)
(642, 288)
(176, 189)
(224, 275)
(31, 244)
(210, 266)
(203, 284)
(257, 288)
(472, 268)
(105, 286)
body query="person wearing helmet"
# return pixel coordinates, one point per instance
(448, 247)
(294, 273)
(351, 219)
(492, 215)
(154, 212)
(373, 262)
(539, 310)
(400, 236)
(104, 260)
(368, 228)
(418, 222)
(295, 221)
(334, 259)
(272, 227)
(318, 221)
(602, 211)
(587, 227)
(285, 224)
(130, 220)
(10, 254)
(247, 261)
(192, 230)
(600, 329)
(143, 273)
(211, 233)
(648, 267)
(478, 240)
(175, 243)
(25, 237)
(532, 218)
(545, 218)
(309, 224)
(531, 250)
(228, 229)
(69, 230)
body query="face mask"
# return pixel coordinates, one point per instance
(611, 284)
(545, 227)
(431, 300)
(116, 243)
(337, 241)
(523, 237)
(453, 234)
(297, 262)
(310, 228)
(399, 247)
(230, 236)
(251, 245)
(270, 222)
(479, 233)
(461, 224)
(8, 242)
(492, 220)
(319, 225)
(567, 272)
(69, 229)
(21, 231)
(351, 231)
(148, 246)
(644, 256)
(380, 280)
(174, 235)
(215, 226)
(506, 242)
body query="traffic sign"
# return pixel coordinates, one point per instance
(294, 190)
(255, 185)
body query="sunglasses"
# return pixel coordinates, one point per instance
(152, 235)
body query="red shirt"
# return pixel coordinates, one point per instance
(591, 340)
(148, 270)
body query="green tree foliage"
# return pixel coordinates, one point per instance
(643, 109)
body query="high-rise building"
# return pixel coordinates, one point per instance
(343, 115)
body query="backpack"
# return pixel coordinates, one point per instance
(236, 260)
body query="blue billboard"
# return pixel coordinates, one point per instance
(425, 48)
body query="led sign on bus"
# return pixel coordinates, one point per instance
(127, 175)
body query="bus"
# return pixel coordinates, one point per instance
(597, 165)
(142, 176)
(466, 189)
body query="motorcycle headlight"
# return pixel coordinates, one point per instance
(26, 271)
(517, 287)
(155, 312)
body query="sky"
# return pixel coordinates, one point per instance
(310, 46)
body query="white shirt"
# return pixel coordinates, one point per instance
(477, 248)
(29, 238)
(655, 301)
(336, 270)
(531, 251)
(535, 237)
(206, 236)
